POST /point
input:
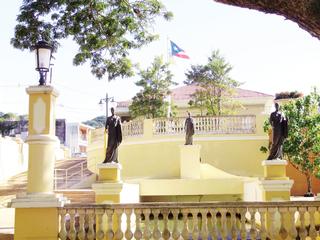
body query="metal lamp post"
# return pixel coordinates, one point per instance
(106, 100)
(43, 51)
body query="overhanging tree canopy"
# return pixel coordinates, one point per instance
(306, 13)
(105, 30)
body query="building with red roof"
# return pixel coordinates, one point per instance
(252, 102)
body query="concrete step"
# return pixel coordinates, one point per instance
(84, 196)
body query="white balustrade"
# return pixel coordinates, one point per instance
(237, 124)
(229, 220)
(132, 128)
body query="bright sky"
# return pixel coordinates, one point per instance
(268, 53)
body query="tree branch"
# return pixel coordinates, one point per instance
(306, 13)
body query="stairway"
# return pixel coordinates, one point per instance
(70, 172)
(18, 183)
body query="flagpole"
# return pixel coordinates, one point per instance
(168, 53)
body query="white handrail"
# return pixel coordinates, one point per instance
(66, 177)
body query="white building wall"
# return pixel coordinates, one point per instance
(13, 157)
(72, 138)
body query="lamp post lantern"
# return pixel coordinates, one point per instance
(43, 53)
(106, 100)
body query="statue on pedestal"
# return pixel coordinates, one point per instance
(279, 125)
(189, 129)
(113, 127)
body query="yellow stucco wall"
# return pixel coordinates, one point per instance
(36, 223)
(151, 156)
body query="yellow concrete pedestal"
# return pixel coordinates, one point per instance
(190, 161)
(276, 185)
(36, 215)
(108, 189)
(109, 185)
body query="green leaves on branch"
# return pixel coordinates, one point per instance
(155, 81)
(105, 30)
(215, 86)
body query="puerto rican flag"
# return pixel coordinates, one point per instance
(177, 51)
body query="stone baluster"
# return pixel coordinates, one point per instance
(100, 231)
(253, 230)
(243, 231)
(312, 230)
(63, 232)
(185, 231)
(204, 224)
(175, 231)
(156, 231)
(206, 124)
(271, 221)
(118, 232)
(234, 227)
(263, 231)
(293, 231)
(214, 225)
(138, 233)
(91, 220)
(81, 234)
(195, 223)
(109, 233)
(302, 230)
(224, 228)
(283, 232)
(72, 231)
(147, 233)
(128, 234)
(165, 233)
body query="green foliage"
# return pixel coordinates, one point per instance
(7, 122)
(155, 82)
(105, 30)
(285, 95)
(216, 87)
(96, 122)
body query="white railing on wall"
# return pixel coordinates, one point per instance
(66, 177)
(229, 220)
(132, 128)
(237, 124)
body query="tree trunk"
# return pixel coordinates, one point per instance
(309, 192)
(306, 13)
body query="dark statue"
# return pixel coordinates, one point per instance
(113, 127)
(279, 125)
(189, 128)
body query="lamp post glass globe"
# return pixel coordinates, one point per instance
(43, 56)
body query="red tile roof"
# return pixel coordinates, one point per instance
(184, 92)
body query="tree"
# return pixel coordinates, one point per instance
(155, 82)
(302, 147)
(198, 101)
(96, 122)
(305, 13)
(216, 87)
(7, 123)
(105, 30)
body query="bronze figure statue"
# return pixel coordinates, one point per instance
(279, 125)
(113, 127)
(189, 129)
